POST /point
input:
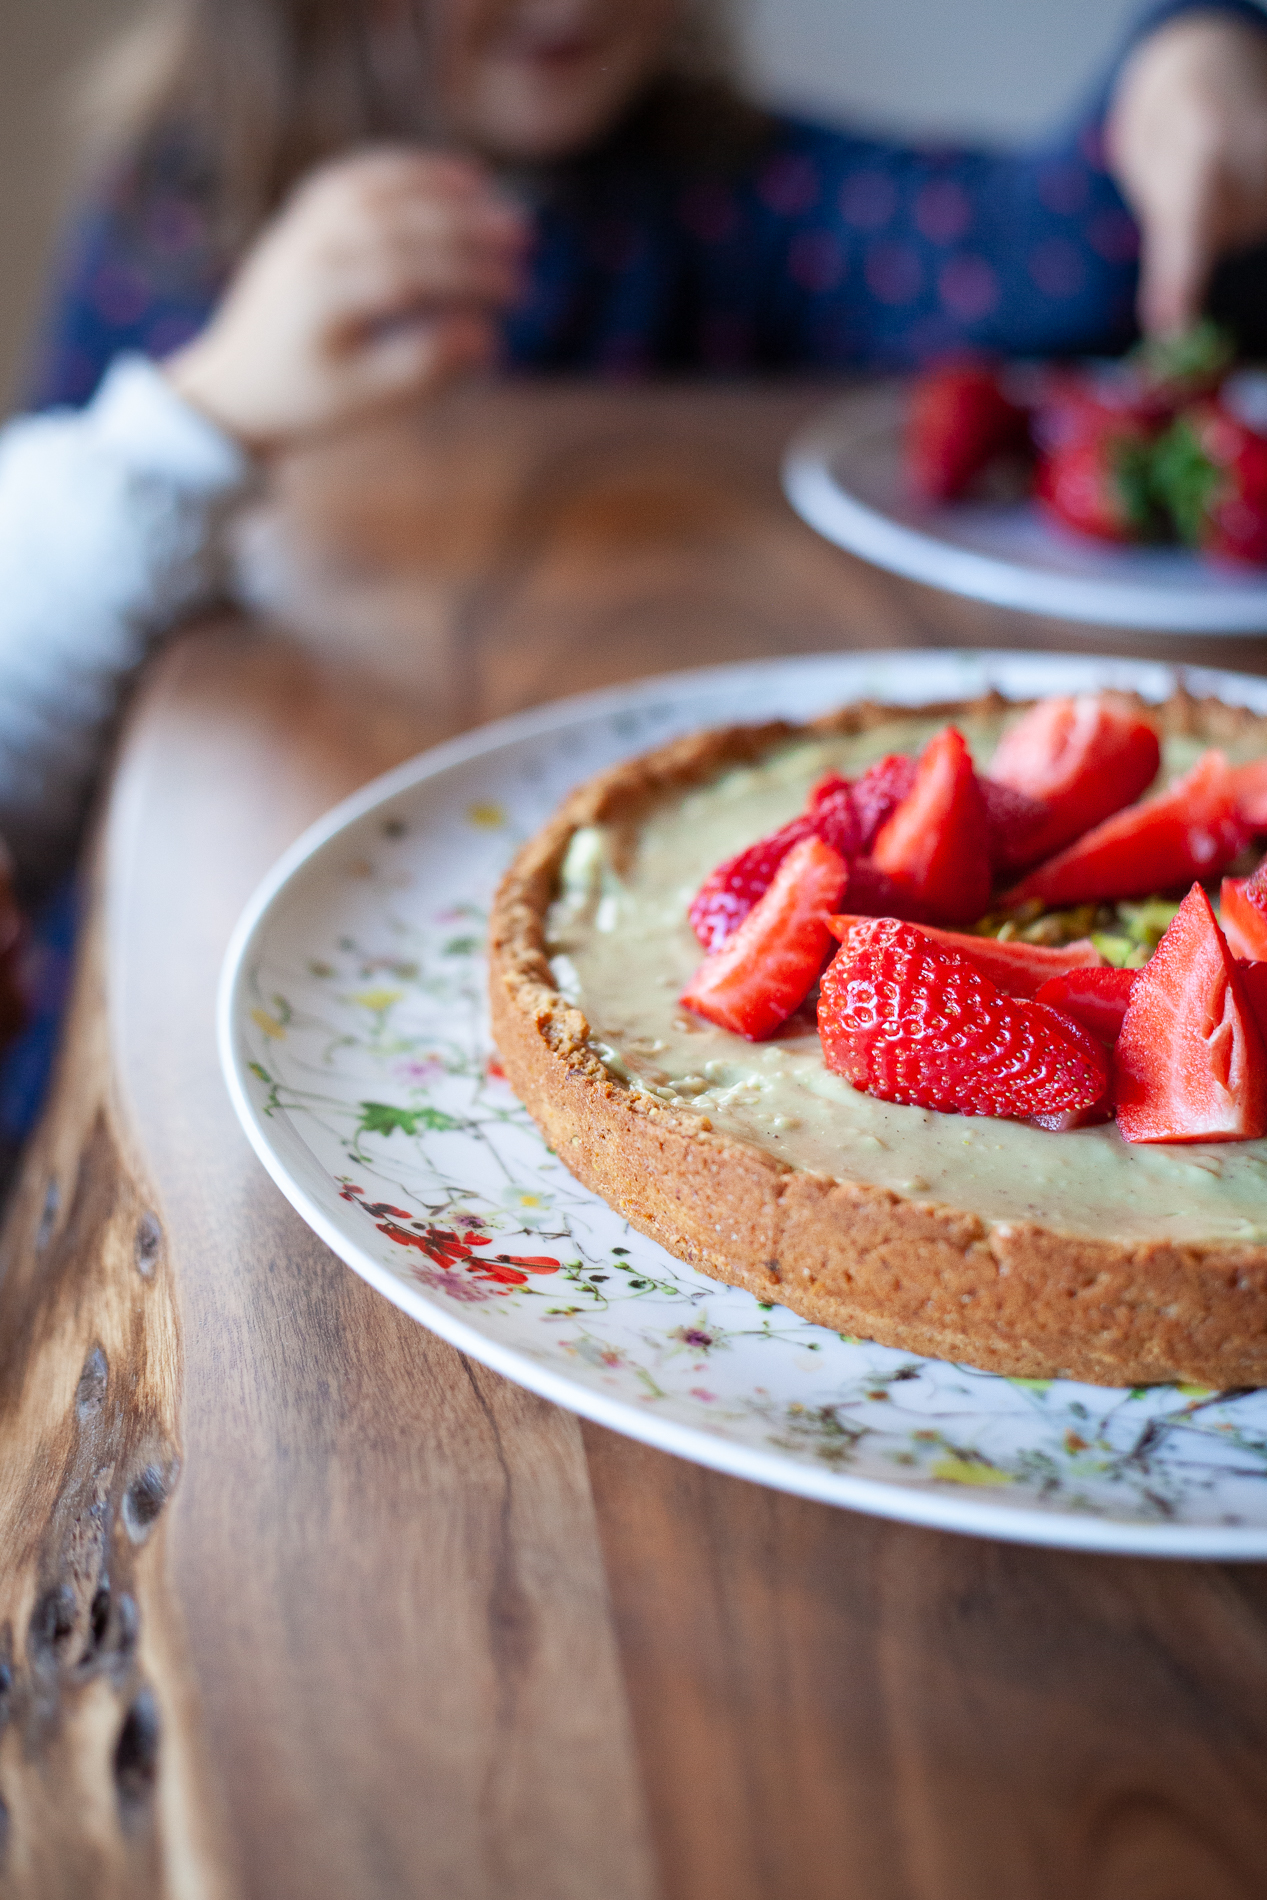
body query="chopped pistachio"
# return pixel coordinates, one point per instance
(1114, 950)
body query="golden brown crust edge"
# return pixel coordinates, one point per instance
(1015, 1298)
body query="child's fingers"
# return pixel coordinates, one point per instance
(417, 358)
(1178, 246)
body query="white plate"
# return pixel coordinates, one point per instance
(354, 1040)
(843, 474)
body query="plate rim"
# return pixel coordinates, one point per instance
(926, 1508)
(842, 518)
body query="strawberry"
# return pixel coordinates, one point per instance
(1253, 975)
(1251, 793)
(1100, 481)
(936, 845)
(879, 792)
(959, 422)
(770, 964)
(727, 894)
(906, 1019)
(1190, 1064)
(1014, 820)
(1095, 998)
(1211, 468)
(1243, 913)
(1081, 759)
(1191, 830)
(1021, 969)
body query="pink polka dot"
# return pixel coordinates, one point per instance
(789, 183)
(943, 211)
(1057, 268)
(816, 260)
(894, 273)
(1063, 188)
(868, 200)
(969, 287)
(710, 212)
(1112, 234)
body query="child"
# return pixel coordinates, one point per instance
(671, 227)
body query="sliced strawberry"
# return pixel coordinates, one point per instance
(1015, 821)
(959, 422)
(772, 962)
(879, 792)
(1021, 969)
(1082, 759)
(1254, 976)
(1190, 1063)
(1243, 913)
(727, 894)
(1095, 998)
(873, 894)
(906, 1019)
(936, 846)
(1251, 793)
(1190, 831)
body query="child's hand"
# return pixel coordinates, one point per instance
(378, 281)
(1187, 141)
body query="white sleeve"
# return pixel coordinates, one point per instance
(109, 520)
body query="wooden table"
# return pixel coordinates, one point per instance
(295, 1600)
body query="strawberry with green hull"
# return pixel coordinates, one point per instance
(1100, 481)
(905, 1019)
(960, 422)
(1189, 1063)
(1211, 469)
(1243, 914)
(769, 965)
(1021, 969)
(1191, 830)
(1079, 760)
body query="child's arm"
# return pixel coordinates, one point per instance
(374, 285)
(1187, 140)
(107, 536)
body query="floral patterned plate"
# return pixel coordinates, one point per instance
(355, 1043)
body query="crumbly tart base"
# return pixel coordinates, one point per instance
(1016, 1298)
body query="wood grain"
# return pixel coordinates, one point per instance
(377, 1622)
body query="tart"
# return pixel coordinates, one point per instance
(991, 1242)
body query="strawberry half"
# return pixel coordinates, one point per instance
(1190, 1063)
(879, 792)
(727, 894)
(1081, 759)
(1243, 914)
(1254, 976)
(1095, 998)
(1251, 793)
(1190, 831)
(770, 964)
(959, 422)
(1020, 969)
(906, 1019)
(936, 846)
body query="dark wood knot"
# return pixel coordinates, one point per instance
(145, 1498)
(48, 1216)
(90, 1393)
(136, 1752)
(149, 1240)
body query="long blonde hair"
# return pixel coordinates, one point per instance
(256, 92)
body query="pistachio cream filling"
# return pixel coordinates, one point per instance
(622, 949)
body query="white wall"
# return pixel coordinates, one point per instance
(983, 68)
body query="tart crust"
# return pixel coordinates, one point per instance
(1015, 1298)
